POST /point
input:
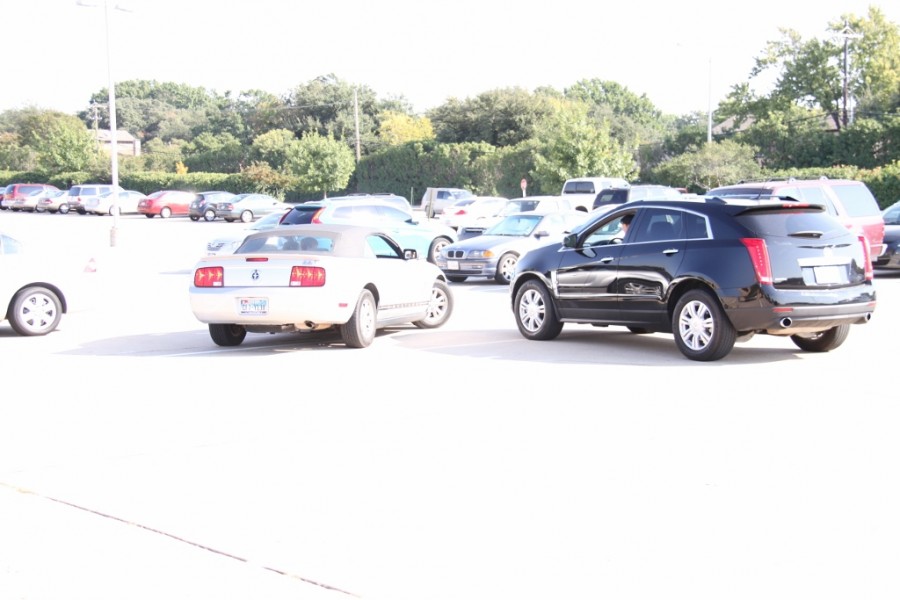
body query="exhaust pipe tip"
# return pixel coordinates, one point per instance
(785, 322)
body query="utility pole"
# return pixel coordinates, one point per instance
(356, 119)
(847, 34)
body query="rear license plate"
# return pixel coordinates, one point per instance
(829, 274)
(453, 265)
(254, 306)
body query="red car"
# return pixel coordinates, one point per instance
(166, 203)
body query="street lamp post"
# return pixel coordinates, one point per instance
(108, 7)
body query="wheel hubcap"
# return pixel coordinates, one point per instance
(695, 325)
(37, 312)
(532, 310)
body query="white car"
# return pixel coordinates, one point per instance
(539, 204)
(466, 212)
(35, 289)
(227, 244)
(126, 203)
(304, 278)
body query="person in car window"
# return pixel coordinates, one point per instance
(624, 222)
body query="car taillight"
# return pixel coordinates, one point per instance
(867, 254)
(307, 277)
(315, 217)
(209, 277)
(759, 256)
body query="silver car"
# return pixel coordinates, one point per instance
(495, 253)
(247, 207)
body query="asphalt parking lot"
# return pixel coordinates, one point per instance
(138, 460)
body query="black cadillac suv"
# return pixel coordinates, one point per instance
(710, 272)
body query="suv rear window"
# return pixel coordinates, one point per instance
(858, 201)
(785, 222)
(302, 214)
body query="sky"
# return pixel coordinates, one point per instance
(684, 56)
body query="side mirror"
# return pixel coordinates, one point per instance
(410, 254)
(569, 240)
(541, 233)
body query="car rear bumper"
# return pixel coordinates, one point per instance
(798, 318)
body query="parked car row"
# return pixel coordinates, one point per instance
(712, 271)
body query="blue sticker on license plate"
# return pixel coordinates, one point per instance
(254, 306)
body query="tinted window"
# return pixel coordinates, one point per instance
(300, 215)
(788, 222)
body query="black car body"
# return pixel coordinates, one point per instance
(711, 273)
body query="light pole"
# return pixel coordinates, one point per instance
(709, 92)
(846, 34)
(108, 7)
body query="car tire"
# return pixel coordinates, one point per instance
(359, 331)
(440, 307)
(246, 216)
(209, 215)
(823, 341)
(63, 209)
(701, 328)
(227, 334)
(536, 313)
(437, 244)
(506, 268)
(639, 330)
(456, 278)
(35, 311)
(194, 218)
(165, 212)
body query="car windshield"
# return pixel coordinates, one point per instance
(518, 225)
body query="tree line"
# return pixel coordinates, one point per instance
(834, 110)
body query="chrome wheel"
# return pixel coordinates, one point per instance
(696, 325)
(535, 312)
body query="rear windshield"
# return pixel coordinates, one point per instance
(579, 187)
(781, 223)
(277, 242)
(300, 215)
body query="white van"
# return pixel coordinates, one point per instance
(583, 190)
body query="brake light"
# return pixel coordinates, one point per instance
(867, 255)
(315, 217)
(307, 277)
(759, 256)
(209, 277)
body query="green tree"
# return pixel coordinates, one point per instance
(320, 163)
(273, 147)
(329, 106)
(571, 144)
(501, 117)
(398, 128)
(810, 73)
(14, 156)
(222, 153)
(709, 165)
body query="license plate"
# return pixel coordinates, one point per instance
(453, 265)
(254, 306)
(829, 274)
